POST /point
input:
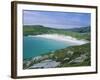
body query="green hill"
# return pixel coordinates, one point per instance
(81, 30)
(79, 33)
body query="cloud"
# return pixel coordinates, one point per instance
(63, 19)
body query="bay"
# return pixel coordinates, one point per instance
(35, 46)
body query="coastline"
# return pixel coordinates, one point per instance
(66, 56)
(62, 38)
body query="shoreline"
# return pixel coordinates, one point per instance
(62, 38)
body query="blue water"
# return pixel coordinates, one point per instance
(35, 46)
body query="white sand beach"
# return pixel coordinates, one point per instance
(62, 38)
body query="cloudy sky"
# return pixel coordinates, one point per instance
(56, 19)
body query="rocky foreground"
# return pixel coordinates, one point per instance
(67, 57)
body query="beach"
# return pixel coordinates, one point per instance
(62, 38)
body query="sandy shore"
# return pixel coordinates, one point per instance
(62, 38)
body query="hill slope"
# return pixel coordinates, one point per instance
(39, 29)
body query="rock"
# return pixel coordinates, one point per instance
(27, 63)
(36, 58)
(66, 58)
(45, 64)
(79, 59)
(70, 52)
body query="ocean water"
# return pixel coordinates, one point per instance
(35, 46)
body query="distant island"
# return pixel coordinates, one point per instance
(77, 54)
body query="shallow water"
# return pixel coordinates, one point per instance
(35, 46)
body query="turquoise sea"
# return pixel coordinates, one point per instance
(35, 46)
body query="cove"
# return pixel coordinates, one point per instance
(35, 46)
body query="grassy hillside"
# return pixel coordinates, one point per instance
(74, 56)
(79, 33)
(81, 30)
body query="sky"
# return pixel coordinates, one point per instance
(54, 19)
